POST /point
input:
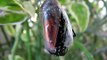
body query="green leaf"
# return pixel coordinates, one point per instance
(10, 12)
(10, 17)
(17, 57)
(27, 6)
(10, 4)
(6, 2)
(80, 12)
(62, 1)
(10, 30)
(84, 50)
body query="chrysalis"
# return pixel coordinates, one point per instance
(58, 32)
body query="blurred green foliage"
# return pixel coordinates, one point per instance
(21, 30)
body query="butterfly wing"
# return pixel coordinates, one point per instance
(51, 25)
(58, 34)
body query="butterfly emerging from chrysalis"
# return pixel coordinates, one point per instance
(58, 32)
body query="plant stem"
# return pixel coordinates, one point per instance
(17, 39)
(27, 42)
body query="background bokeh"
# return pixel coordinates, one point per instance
(21, 30)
